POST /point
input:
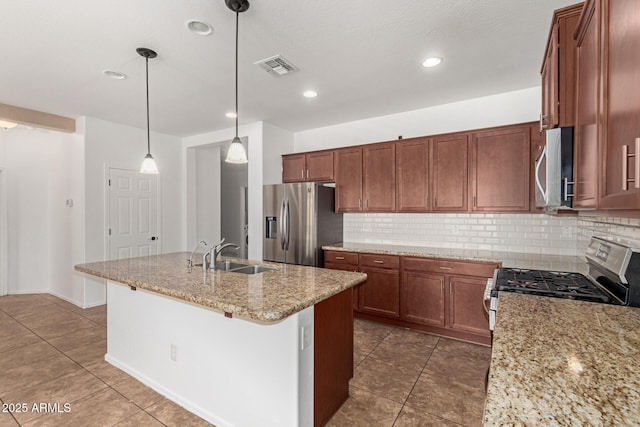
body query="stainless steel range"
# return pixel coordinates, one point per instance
(614, 278)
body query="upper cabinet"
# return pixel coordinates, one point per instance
(607, 158)
(620, 103)
(348, 169)
(501, 170)
(315, 166)
(450, 173)
(379, 183)
(412, 175)
(558, 70)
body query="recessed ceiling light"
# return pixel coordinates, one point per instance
(431, 62)
(231, 115)
(200, 28)
(7, 125)
(310, 94)
(114, 74)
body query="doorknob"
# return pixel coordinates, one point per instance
(154, 238)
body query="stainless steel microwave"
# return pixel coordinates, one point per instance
(554, 171)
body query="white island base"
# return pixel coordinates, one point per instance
(229, 371)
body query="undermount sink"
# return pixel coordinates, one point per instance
(228, 265)
(251, 269)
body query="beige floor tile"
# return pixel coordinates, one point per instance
(20, 337)
(50, 314)
(7, 420)
(406, 348)
(89, 354)
(439, 396)
(25, 376)
(364, 409)
(140, 420)
(105, 408)
(28, 354)
(358, 357)
(137, 392)
(63, 327)
(172, 414)
(465, 369)
(464, 348)
(79, 338)
(409, 417)
(107, 372)
(66, 389)
(12, 300)
(26, 307)
(366, 340)
(385, 379)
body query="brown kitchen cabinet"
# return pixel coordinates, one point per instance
(620, 104)
(348, 174)
(558, 70)
(380, 293)
(587, 126)
(379, 177)
(422, 298)
(450, 173)
(345, 261)
(308, 167)
(412, 172)
(500, 168)
(466, 296)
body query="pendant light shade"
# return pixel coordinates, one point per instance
(148, 163)
(237, 153)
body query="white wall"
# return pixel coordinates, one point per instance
(41, 168)
(506, 108)
(277, 141)
(207, 204)
(108, 145)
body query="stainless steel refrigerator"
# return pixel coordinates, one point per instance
(299, 219)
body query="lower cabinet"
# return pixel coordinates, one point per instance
(439, 296)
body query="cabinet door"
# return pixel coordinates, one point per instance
(348, 174)
(319, 166)
(621, 103)
(293, 168)
(380, 294)
(422, 298)
(501, 170)
(466, 305)
(585, 173)
(379, 184)
(450, 179)
(412, 170)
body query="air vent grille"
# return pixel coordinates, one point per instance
(276, 66)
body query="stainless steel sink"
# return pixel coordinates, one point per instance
(228, 265)
(251, 269)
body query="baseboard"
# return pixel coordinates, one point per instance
(67, 299)
(188, 405)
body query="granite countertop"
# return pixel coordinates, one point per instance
(265, 297)
(508, 259)
(563, 362)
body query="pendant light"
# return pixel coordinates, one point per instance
(236, 153)
(148, 163)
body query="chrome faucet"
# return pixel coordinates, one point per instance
(190, 260)
(214, 253)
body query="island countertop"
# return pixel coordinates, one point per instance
(563, 362)
(265, 297)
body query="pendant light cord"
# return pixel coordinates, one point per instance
(237, 20)
(148, 133)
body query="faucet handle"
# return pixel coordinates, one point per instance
(219, 243)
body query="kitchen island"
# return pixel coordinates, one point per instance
(273, 348)
(563, 362)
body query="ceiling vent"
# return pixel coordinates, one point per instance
(276, 66)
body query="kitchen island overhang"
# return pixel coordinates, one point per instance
(242, 350)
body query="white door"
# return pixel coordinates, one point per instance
(133, 214)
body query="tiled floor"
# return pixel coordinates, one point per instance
(53, 352)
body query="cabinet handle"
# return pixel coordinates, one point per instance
(567, 183)
(474, 201)
(302, 173)
(378, 262)
(307, 173)
(359, 202)
(339, 257)
(625, 166)
(446, 268)
(542, 125)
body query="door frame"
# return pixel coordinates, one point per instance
(107, 204)
(4, 233)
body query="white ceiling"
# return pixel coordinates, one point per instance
(362, 57)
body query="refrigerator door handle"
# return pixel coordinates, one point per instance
(281, 226)
(287, 225)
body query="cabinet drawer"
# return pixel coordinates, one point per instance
(380, 261)
(339, 257)
(478, 269)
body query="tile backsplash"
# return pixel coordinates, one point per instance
(623, 230)
(520, 233)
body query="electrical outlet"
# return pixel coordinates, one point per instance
(173, 352)
(566, 232)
